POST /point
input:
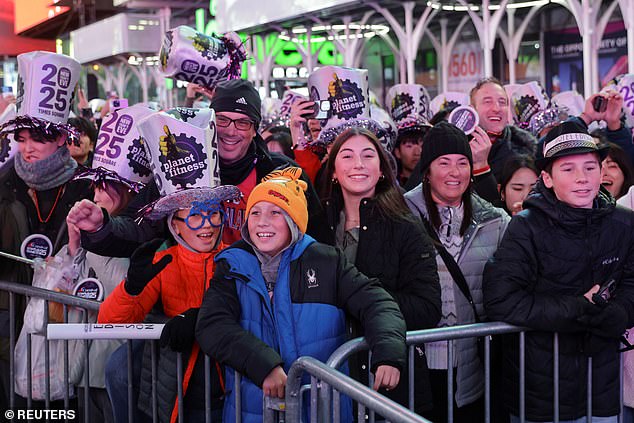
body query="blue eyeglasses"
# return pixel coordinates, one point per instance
(201, 212)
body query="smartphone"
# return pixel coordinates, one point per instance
(600, 104)
(118, 103)
(603, 296)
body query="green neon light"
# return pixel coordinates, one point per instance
(288, 54)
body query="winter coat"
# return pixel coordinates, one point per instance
(513, 142)
(121, 235)
(550, 256)
(180, 286)
(18, 219)
(479, 243)
(399, 253)
(245, 329)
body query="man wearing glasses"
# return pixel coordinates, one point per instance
(244, 161)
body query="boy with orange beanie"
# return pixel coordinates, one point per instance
(274, 285)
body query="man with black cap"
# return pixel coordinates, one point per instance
(244, 161)
(565, 265)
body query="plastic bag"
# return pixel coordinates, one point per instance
(56, 274)
(38, 367)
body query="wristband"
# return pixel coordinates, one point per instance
(482, 170)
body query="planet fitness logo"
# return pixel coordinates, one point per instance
(526, 107)
(402, 106)
(346, 99)
(209, 48)
(137, 160)
(183, 160)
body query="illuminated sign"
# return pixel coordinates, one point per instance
(288, 56)
(29, 13)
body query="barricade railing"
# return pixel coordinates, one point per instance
(66, 300)
(450, 334)
(337, 383)
(323, 395)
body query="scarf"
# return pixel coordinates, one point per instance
(234, 173)
(51, 172)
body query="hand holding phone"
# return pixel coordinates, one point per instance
(600, 104)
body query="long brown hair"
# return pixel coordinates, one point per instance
(388, 197)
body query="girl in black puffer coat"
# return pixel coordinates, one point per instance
(369, 220)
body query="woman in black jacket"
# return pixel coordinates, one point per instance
(366, 216)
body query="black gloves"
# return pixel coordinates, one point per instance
(611, 322)
(142, 270)
(179, 331)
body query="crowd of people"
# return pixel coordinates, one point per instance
(263, 231)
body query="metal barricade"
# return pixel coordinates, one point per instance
(451, 334)
(48, 296)
(337, 383)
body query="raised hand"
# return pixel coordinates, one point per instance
(142, 269)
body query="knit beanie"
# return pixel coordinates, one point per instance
(240, 96)
(444, 138)
(284, 189)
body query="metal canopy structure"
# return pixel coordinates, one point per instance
(442, 21)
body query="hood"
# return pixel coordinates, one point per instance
(544, 200)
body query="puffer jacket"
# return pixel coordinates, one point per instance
(480, 241)
(550, 256)
(245, 329)
(399, 253)
(179, 287)
(18, 219)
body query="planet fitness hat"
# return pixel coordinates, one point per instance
(46, 88)
(119, 154)
(566, 139)
(527, 100)
(183, 149)
(448, 100)
(346, 90)
(188, 55)
(408, 105)
(569, 101)
(284, 189)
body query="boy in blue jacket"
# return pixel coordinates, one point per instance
(277, 295)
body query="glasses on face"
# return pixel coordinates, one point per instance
(240, 124)
(195, 221)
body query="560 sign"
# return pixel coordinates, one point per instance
(463, 64)
(55, 86)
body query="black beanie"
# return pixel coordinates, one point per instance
(444, 138)
(240, 96)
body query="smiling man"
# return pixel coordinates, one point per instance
(244, 161)
(489, 99)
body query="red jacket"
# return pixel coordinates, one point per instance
(180, 286)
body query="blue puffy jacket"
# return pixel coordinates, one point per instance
(241, 326)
